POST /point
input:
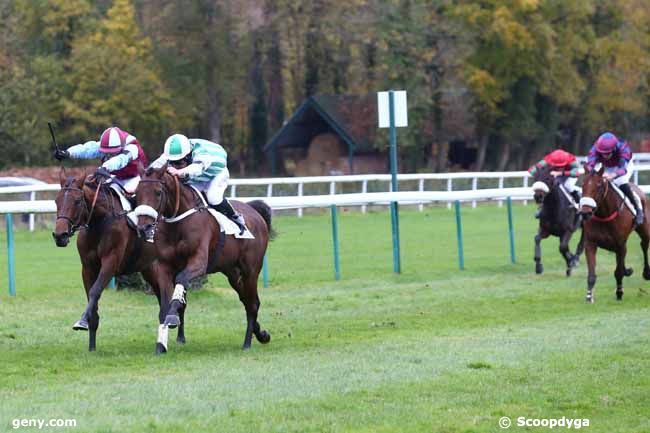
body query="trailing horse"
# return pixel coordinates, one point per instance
(194, 244)
(608, 222)
(107, 246)
(558, 217)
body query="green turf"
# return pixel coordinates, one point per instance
(432, 350)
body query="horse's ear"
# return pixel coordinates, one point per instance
(82, 179)
(585, 168)
(602, 170)
(62, 176)
(140, 168)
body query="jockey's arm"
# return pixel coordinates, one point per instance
(88, 150)
(195, 169)
(158, 163)
(120, 161)
(573, 170)
(540, 164)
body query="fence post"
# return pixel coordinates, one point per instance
(335, 240)
(364, 189)
(265, 272)
(10, 254)
(474, 186)
(32, 197)
(459, 236)
(300, 195)
(421, 189)
(233, 191)
(511, 232)
(525, 185)
(269, 190)
(450, 189)
(501, 187)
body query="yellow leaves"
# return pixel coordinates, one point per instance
(507, 29)
(486, 88)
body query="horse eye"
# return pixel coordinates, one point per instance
(158, 193)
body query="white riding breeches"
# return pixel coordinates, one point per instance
(570, 184)
(622, 180)
(215, 188)
(129, 184)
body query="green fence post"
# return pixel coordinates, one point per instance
(511, 232)
(10, 254)
(335, 240)
(394, 212)
(265, 272)
(112, 284)
(459, 236)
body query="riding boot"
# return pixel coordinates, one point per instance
(638, 220)
(226, 208)
(576, 196)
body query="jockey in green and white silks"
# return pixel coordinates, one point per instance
(202, 164)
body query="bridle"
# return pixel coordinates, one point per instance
(163, 198)
(74, 226)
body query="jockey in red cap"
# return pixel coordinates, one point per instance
(120, 154)
(616, 156)
(563, 165)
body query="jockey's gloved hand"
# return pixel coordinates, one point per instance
(102, 172)
(61, 154)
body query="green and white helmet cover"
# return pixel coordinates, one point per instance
(177, 147)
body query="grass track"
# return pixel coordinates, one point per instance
(434, 349)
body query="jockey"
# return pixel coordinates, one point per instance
(203, 164)
(120, 154)
(616, 157)
(563, 165)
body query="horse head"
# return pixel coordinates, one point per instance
(157, 194)
(544, 184)
(71, 208)
(594, 189)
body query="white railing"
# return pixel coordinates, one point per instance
(333, 181)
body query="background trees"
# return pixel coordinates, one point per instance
(513, 78)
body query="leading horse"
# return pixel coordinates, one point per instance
(558, 217)
(194, 244)
(107, 246)
(608, 223)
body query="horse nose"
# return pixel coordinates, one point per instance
(147, 232)
(61, 239)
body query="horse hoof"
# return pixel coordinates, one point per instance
(539, 268)
(263, 337)
(619, 296)
(160, 349)
(568, 272)
(80, 325)
(646, 274)
(172, 321)
(91, 349)
(628, 272)
(180, 340)
(589, 300)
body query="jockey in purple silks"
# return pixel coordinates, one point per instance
(616, 157)
(120, 154)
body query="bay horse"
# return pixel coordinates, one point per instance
(194, 244)
(558, 217)
(608, 223)
(107, 246)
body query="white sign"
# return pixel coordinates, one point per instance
(399, 104)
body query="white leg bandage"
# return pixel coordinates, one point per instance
(163, 335)
(179, 294)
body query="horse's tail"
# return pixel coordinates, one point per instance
(265, 211)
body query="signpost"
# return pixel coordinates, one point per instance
(392, 113)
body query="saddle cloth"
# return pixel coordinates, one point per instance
(626, 200)
(227, 225)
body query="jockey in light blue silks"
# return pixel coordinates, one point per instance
(120, 154)
(616, 156)
(203, 164)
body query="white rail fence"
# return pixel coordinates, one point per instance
(299, 201)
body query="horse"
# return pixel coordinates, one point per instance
(558, 217)
(107, 246)
(194, 244)
(608, 224)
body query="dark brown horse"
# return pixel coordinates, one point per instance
(107, 246)
(194, 245)
(558, 217)
(607, 224)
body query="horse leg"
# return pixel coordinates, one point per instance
(580, 247)
(246, 288)
(564, 250)
(196, 266)
(88, 275)
(180, 338)
(539, 267)
(90, 318)
(644, 234)
(620, 271)
(590, 252)
(161, 282)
